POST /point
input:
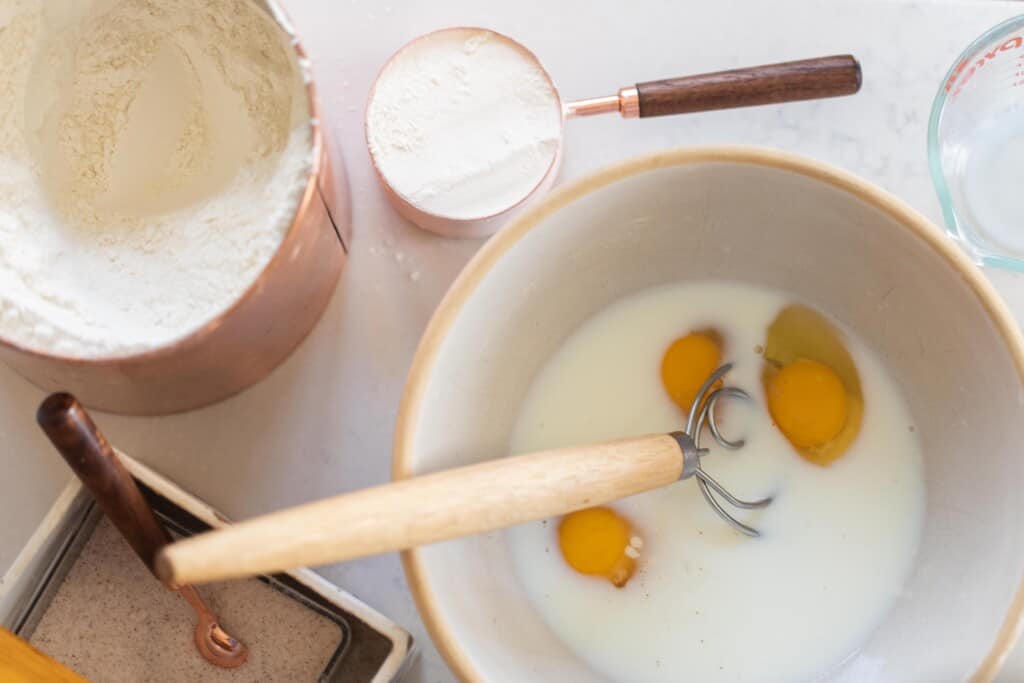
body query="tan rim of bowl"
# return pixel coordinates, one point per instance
(477, 269)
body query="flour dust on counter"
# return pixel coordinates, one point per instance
(703, 602)
(152, 155)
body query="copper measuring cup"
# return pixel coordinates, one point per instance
(806, 79)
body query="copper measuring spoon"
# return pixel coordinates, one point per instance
(90, 456)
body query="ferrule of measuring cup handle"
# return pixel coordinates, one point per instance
(626, 102)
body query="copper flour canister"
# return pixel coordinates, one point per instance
(256, 333)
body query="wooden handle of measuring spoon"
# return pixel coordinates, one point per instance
(427, 509)
(806, 79)
(87, 452)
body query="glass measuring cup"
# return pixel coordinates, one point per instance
(976, 146)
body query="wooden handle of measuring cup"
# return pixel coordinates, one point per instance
(806, 79)
(422, 510)
(87, 452)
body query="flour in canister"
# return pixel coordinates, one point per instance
(152, 154)
(463, 123)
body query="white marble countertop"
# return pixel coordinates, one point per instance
(321, 424)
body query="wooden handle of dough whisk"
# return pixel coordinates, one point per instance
(87, 452)
(422, 510)
(806, 79)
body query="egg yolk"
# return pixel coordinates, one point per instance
(808, 402)
(597, 542)
(687, 364)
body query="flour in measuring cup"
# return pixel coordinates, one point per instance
(152, 154)
(463, 123)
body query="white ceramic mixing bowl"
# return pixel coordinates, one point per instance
(770, 219)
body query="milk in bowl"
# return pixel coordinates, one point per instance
(686, 597)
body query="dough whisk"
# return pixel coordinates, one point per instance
(467, 500)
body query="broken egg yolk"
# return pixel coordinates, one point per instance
(688, 363)
(811, 385)
(807, 401)
(599, 542)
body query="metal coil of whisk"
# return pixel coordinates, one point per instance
(703, 413)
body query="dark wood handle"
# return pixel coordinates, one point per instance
(807, 79)
(87, 452)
